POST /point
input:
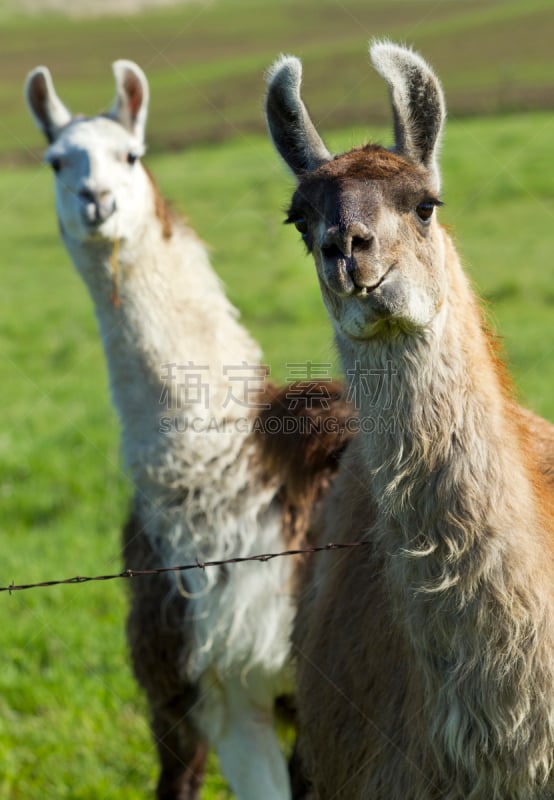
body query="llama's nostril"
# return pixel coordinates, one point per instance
(87, 195)
(362, 244)
(98, 206)
(332, 251)
(355, 239)
(97, 197)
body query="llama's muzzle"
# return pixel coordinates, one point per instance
(97, 206)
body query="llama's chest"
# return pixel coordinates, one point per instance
(239, 616)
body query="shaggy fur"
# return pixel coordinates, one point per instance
(211, 649)
(426, 659)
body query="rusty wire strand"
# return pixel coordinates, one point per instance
(137, 573)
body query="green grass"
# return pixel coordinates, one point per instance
(72, 724)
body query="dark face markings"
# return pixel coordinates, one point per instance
(351, 186)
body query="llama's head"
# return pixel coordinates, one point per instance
(99, 187)
(368, 216)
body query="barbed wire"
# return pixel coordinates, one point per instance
(138, 573)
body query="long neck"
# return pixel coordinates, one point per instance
(442, 449)
(170, 336)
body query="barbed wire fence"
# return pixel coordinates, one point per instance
(139, 573)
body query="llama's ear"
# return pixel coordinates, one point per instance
(48, 111)
(130, 106)
(290, 126)
(417, 102)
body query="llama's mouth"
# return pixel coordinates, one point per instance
(364, 291)
(95, 214)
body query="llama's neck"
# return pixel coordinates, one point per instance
(173, 343)
(442, 451)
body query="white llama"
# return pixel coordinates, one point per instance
(210, 649)
(425, 659)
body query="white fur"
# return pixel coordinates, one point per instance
(200, 492)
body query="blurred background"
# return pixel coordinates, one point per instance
(72, 723)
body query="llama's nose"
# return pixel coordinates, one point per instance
(353, 252)
(97, 205)
(353, 240)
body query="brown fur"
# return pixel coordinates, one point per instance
(537, 440)
(305, 456)
(319, 417)
(162, 208)
(536, 435)
(371, 162)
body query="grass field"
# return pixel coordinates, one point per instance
(72, 724)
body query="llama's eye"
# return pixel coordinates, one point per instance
(131, 158)
(56, 164)
(425, 210)
(301, 226)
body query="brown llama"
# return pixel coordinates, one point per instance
(426, 658)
